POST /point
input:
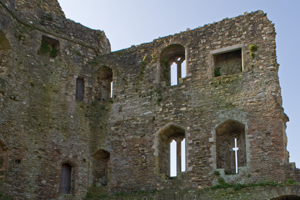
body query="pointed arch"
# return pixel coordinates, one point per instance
(171, 130)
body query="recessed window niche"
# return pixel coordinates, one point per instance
(79, 89)
(227, 133)
(49, 47)
(172, 64)
(101, 160)
(170, 136)
(227, 61)
(66, 179)
(103, 85)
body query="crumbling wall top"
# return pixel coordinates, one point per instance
(47, 16)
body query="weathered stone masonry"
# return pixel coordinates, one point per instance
(61, 132)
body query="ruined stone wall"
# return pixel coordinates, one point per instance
(32, 10)
(42, 126)
(288, 192)
(115, 144)
(47, 16)
(144, 106)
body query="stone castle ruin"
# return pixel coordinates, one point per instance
(79, 121)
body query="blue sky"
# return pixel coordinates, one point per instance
(133, 22)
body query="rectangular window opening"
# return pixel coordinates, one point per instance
(228, 63)
(183, 69)
(183, 155)
(49, 47)
(111, 89)
(65, 184)
(79, 89)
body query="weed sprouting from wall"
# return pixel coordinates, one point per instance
(252, 48)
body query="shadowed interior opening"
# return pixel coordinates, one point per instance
(226, 134)
(103, 84)
(228, 63)
(101, 161)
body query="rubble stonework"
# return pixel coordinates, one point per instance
(60, 126)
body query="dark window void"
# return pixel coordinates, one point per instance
(287, 197)
(172, 133)
(79, 89)
(49, 47)
(12, 4)
(66, 177)
(2, 162)
(4, 54)
(4, 44)
(103, 84)
(228, 63)
(226, 134)
(172, 64)
(100, 167)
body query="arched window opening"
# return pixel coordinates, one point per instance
(103, 88)
(231, 146)
(66, 179)
(171, 63)
(170, 157)
(101, 161)
(3, 161)
(287, 197)
(4, 54)
(173, 158)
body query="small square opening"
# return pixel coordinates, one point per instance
(228, 63)
(49, 47)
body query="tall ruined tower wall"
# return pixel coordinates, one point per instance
(42, 126)
(146, 109)
(58, 114)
